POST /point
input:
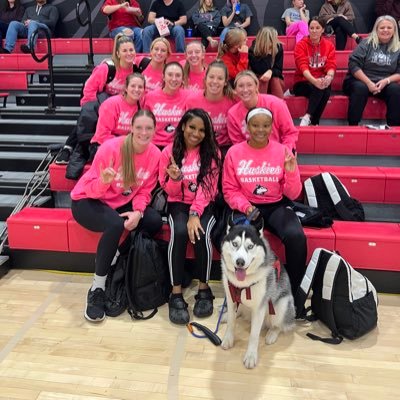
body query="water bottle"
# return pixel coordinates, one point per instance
(237, 8)
(189, 32)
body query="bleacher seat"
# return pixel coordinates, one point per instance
(17, 80)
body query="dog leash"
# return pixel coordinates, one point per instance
(245, 220)
(208, 333)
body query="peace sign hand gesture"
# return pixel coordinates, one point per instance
(290, 162)
(107, 174)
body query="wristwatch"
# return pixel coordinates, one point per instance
(193, 213)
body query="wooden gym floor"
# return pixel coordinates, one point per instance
(49, 352)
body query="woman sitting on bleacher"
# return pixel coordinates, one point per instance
(315, 68)
(260, 178)
(115, 114)
(113, 196)
(168, 103)
(189, 171)
(339, 15)
(160, 50)
(266, 61)
(206, 22)
(296, 19)
(217, 99)
(194, 68)
(107, 79)
(246, 87)
(14, 11)
(374, 70)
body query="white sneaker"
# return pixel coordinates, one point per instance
(287, 93)
(305, 120)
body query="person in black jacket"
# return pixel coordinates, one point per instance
(206, 22)
(266, 61)
(41, 15)
(14, 11)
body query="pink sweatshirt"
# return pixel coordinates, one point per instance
(218, 111)
(114, 194)
(168, 110)
(154, 78)
(186, 190)
(257, 176)
(115, 118)
(283, 129)
(196, 81)
(96, 83)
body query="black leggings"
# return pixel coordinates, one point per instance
(204, 32)
(317, 99)
(178, 218)
(99, 217)
(358, 96)
(342, 28)
(282, 221)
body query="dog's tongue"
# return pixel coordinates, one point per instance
(240, 274)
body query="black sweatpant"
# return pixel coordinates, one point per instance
(178, 218)
(342, 28)
(96, 216)
(358, 96)
(317, 99)
(204, 32)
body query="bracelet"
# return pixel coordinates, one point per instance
(388, 81)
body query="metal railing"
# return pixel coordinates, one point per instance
(89, 23)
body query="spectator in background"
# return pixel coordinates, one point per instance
(266, 61)
(41, 15)
(235, 15)
(339, 15)
(174, 14)
(315, 68)
(233, 51)
(296, 19)
(374, 70)
(206, 22)
(126, 17)
(388, 7)
(194, 68)
(14, 11)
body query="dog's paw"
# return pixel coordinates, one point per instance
(228, 341)
(250, 359)
(272, 335)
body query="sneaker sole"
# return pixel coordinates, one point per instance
(94, 320)
(61, 162)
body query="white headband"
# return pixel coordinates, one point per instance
(258, 110)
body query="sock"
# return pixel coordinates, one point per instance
(99, 282)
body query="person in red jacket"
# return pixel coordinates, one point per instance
(233, 51)
(189, 171)
(315, 68)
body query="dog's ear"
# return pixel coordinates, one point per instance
(230, 224)
(259, 225)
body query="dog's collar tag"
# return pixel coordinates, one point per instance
(236, 293)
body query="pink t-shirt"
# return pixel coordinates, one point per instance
(154, 78)
(168, 110)
(196, 81)
(186, 190)
(114, 195)
(283, 129)
(96, 83)
(115, 118)
(257, 176)
(218, 111)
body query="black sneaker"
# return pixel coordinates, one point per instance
(204, 303)
(358, 39)
(95, 305)
(178, 313)
(4, 51)
(63, 156)
(25, 49)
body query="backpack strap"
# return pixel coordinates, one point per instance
(144, 62)
(111, 70)
(310, 193)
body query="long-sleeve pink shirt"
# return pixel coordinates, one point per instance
(154, 78)
(97, 82)
(283, 129)
(257, 176)
(115, 118)
(218, 111)
(196, 81)
(114, 194)
(168, 110)
(186, 190)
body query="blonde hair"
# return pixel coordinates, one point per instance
(203, 8)
(164, 41)
(267, 42)
(248, 73)
(186, 67)
(228, 91)
(127, 152)
(394, 44)
(233, 37)
(119, 39)
(130, 77)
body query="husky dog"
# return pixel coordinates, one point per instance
(251, 277)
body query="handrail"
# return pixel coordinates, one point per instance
(87, 22)
(51, 104)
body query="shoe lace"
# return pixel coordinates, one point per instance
(98, 297)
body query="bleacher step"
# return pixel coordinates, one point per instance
(41, 99)
(44, 88)
(39, 112)
(349, 160)
(28, 142)
(12, 182)
(36, 126)
(9, 201)
(20, 161)
(375, 212)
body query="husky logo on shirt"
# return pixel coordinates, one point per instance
(316, 60)
(260, 190)
(169, 128)
(127, 192)
(192, 187)
(380, 58)
(141, 175)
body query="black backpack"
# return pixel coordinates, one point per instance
(144, 62)
(327, 193)
(139, 281)
(342, 298)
